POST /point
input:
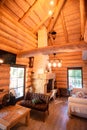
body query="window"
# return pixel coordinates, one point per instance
(75, 77)
(17, 80)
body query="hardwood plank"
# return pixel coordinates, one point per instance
(57, 119)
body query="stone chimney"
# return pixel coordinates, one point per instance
(40, 60)
(41, 76)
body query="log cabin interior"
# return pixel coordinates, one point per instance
(34, 33)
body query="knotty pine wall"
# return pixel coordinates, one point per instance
(4, 79)
(70, 59)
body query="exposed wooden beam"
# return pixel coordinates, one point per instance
(64, 27)
(51, 41)
(83, 17)
(27, 12)
(56, 14)
(2, 2)
(41, 23)
(71, 47)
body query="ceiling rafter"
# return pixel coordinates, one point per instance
(64, 27)
(37, 14)
(13, 7)
(56, 14)
(2, 2)
(27, 12)
(22, 4)
(21, 27)
(83, 17)
(34, 12)
(41, 23)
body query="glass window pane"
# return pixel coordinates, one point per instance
(20, 72)
(17, 80)
(20, 82)
(75, 78)
(19, 92)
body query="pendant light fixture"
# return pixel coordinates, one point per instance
(55, 62)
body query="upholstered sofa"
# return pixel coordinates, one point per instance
(36, 101)
(77, 103)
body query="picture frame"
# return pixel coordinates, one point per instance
(31, 62)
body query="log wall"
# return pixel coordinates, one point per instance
(5, 76)
(71, 59)
(4, 79)
(25, 61)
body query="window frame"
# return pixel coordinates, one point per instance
(20, 66)
(74, 68)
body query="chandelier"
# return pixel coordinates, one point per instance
(54, 62)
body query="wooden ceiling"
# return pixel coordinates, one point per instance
(20, 21)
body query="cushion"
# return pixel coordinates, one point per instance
(6, 99)
(80, 94)
(42, 100)
(36, 101)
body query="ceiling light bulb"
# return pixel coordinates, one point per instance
(50, 12)
(49, 64)
(59, 64)
(51, 2)
(54, 64)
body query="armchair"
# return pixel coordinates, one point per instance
(77, 103)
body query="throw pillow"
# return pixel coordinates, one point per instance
(80, 94)
(36, 101)
(33, 101)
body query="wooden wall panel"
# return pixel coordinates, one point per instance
(25, 61)
(28, 78)
(4, 79)
(22, 61)
(71, 59)
(5, 75)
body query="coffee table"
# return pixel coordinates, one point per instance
(11, 115)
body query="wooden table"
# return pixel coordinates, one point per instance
(11, 115)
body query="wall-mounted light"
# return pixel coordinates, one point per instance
(1, 61)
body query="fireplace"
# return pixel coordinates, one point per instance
(44, 83)
(50, 85)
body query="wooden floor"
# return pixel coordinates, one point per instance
(57, 120)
